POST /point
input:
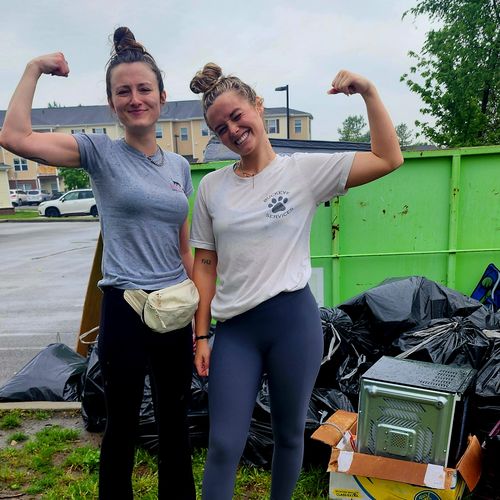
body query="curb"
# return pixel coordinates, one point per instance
(41, 405)
(55, 219)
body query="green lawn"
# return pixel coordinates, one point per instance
(21, 214)
(56, 464)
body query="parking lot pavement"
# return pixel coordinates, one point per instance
(44, 271)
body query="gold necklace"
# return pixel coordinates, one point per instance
(237, 166)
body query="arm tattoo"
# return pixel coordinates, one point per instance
(206, 261)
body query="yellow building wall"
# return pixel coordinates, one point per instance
(4, 189)
(304, 134)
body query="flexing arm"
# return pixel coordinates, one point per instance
(17, 135)
(204, 277)
(385, 155)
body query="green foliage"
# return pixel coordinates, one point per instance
(10, 420)
(54, 104)
(457, 72)
(404, 134)
(74, 178)
(354, 129)
(18, 437)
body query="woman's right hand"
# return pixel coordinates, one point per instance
(202, 357)
(51, 64)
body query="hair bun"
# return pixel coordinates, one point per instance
(205, 79)
(124, 39)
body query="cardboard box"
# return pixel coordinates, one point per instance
(356, 475)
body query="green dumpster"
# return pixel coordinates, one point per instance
(438, 216)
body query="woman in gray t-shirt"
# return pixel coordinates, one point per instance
(250, 228)
(141, 193)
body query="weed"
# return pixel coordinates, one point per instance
(10, 420)
(18, 437)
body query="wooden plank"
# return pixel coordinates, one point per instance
(92, 305)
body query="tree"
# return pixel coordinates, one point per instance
(354, 129)
(74, 178)
(404, 134)
(54, 104)
(459, 72)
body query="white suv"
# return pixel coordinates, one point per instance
(36, 196)
(76, 202)
(18, 197)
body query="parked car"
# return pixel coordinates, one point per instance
(56, 195)
(18, 197)
(36, 196)
(75, 202)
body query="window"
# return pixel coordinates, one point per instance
(85, 195)
(204, 129)
(273, 126)
(99, 130)
(298, 126)
(20, 164)
(184, 134)
(159, 131)
(78, 130)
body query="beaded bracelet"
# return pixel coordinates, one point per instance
(201, 337)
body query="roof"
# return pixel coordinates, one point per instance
(216, 151)
(102, 114)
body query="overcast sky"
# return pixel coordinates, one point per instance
(267, 43)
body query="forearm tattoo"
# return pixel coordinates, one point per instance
(206, 261)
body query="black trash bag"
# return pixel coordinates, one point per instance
(349, 350)
(455, 341)
(54, 374)
(489, 484)
(260, 444)
(324, 403)
(198, 412)
(147, 433)
(93, 404)
(402, 304)
(487, 397)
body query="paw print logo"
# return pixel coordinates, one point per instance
(278, 204)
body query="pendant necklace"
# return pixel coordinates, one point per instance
(237, 166)
(156, 162)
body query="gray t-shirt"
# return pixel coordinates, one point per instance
(260, 226)
(142, 207)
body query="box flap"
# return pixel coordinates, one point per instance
(469, 466)
(429, 475)
(331, 431)
(359, 464)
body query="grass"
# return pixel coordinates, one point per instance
(21, 214)
(56, 464)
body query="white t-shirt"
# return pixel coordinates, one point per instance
(260, 226)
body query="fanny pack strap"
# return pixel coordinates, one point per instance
(136, 299)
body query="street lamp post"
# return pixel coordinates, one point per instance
(280, 89)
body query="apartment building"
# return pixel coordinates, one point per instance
(181, 128)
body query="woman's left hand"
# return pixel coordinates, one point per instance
(346, 82)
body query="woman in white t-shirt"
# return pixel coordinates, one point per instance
(251, 228)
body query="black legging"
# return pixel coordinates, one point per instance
(127, 349)
(282, 337)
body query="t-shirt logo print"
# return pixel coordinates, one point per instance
(278, 204)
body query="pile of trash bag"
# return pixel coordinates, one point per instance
(409, 317)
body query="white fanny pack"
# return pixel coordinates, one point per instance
(167, 309)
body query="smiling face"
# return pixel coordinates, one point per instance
(135, 96)
(238, 123)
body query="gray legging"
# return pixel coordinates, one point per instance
(282, 337)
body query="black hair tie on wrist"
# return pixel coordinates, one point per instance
(201, 337)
